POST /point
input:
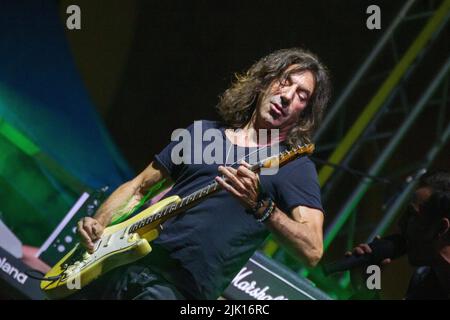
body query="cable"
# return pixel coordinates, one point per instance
(30, 272)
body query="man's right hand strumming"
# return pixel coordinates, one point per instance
(123, 199)
(89, 230)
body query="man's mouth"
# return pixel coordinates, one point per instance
(277, 109)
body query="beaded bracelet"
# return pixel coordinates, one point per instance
(267, 212)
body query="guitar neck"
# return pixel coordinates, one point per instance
(213, 187)
(182, 205)
(178, 207)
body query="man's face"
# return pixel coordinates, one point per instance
(419, 231)
(284, 100)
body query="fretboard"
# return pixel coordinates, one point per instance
(177, 207)
(182, 205)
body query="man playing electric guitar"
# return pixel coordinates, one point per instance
(199, 251)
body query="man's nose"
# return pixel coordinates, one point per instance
(287, 95)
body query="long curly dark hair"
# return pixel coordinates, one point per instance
(237, 104)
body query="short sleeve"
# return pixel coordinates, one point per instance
(297, 184)
(171, 156)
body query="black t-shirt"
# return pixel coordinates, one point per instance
(209, 243)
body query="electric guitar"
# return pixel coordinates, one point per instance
(128, 241)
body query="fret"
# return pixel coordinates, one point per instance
(164, 212)
(149, 219)
(168, 210)
(183, 202)
(135, 227)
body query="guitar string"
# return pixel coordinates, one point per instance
(245, 156)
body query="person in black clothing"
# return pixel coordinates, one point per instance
(425, 225)
(199, 251)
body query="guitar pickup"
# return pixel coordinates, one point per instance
(108, 241)
(125, 232)
(97, 244)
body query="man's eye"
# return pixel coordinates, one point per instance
(284, 82)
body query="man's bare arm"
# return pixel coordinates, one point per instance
(123, 199)
(301, 235)
(129, 194)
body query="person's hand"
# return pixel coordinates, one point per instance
(242, 183)
(89, 230)
(359, 275)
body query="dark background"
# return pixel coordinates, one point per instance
(170, 60)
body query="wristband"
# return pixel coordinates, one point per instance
(267, 212)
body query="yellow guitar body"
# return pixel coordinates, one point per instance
(115, 248)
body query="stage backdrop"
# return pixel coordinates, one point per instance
(53, 143)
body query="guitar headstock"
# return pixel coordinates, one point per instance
(295, 152)
(288, 155)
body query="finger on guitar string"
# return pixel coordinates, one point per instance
(84, 237)
(228, 187)
(230, 173)
(250, 178)
(88, 227)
